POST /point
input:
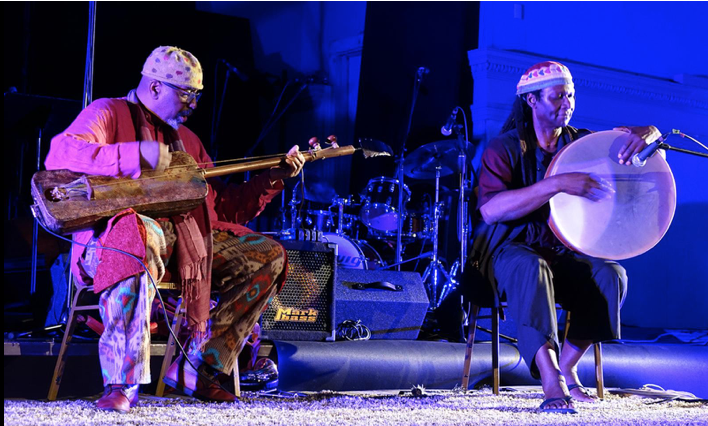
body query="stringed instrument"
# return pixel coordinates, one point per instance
(66, 202)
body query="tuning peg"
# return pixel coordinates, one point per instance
(314, 143)
(332, 139)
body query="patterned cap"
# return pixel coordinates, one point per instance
(174, 65)
(543, 74)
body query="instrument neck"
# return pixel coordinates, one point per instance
(275, 161)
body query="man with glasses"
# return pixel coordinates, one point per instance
(206, 249)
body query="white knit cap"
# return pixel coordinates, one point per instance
(174, 65)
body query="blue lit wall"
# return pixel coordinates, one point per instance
(656, 38)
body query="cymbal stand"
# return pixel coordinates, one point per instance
(435, 274)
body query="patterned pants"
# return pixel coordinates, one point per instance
(248, 272)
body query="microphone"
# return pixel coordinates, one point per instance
(234, 70)
(640, 159)
(446, 129)
(421, 72)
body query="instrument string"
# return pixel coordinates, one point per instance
(193, 168)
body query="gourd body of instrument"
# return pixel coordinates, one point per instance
(67, 202)
(88, 199)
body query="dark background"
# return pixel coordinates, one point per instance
(45, 50)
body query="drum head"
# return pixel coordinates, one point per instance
(630, 221)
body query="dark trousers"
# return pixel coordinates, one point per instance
(592, 289)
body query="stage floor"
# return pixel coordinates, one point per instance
(674, 361)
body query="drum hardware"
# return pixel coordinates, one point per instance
(339, 203)
(464, 150)
(435, 160)
(435, 274)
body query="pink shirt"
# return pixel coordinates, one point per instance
(102, 141)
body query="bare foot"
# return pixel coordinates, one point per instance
(576, 389)
(554, 387)
(580, 393)
(573, 350)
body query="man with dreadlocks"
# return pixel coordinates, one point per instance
(515, 249)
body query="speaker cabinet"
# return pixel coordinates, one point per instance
(304, 308)
(391, 304)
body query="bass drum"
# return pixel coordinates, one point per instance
(625, 224)
(354, 254)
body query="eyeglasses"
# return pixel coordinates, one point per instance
(186, 96)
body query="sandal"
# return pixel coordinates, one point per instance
(566, 410)
(583, 390)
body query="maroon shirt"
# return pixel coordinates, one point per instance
(501, 171)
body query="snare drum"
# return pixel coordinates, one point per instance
(354, 254)
(381, 202)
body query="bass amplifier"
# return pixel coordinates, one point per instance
(391, 304)
(304, 308)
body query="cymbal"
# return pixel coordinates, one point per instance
(424, 161)
(317, 191)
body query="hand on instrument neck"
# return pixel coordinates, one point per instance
(289, 167)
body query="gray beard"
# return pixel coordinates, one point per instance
(174, 123)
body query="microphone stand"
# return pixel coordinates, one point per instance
(462, 210)
(685, 151)
(420, 72)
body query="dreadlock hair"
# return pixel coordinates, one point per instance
(520, 118)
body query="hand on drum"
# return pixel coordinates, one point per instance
(290, 166)
(639, 137)
(585, 185)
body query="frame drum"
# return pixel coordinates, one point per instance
(629, 222)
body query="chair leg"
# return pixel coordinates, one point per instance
(468, 350)
(597, 349)
(599, 375)
(567, 326)
(63, 349)
(237, 381)
(170, 348)
(495, 350)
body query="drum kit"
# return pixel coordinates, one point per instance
(371, 219)
(625, 224)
